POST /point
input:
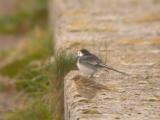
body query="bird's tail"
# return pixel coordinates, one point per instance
(110, 68)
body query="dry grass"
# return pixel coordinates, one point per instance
(37, 45)
(147, 17)
(77, 13)
(44, 86)
(151, 41)
(76, 44)
(83, 24)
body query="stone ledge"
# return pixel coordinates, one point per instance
(125, 34)
(108, 98)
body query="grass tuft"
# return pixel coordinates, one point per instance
(63, 63)
(45, 83)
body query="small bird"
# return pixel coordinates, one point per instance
(89, 63)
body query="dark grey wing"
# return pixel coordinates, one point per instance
(90, 59)
(97, 59)
(93, 61)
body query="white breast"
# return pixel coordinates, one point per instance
(85, 70)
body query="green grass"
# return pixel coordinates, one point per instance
(30, 14)
(62, 65)
(3, 54)
(38, 46)
(33, 80)
(2, 87)
(45, 83)
(35, 111)
(29, 64)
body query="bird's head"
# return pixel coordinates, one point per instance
(83, 52)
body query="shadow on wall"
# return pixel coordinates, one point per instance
(88, 88)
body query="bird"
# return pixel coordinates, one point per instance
(88, 63)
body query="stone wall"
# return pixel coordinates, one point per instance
(126, 35)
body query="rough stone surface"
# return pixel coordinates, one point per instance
(126, 35)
